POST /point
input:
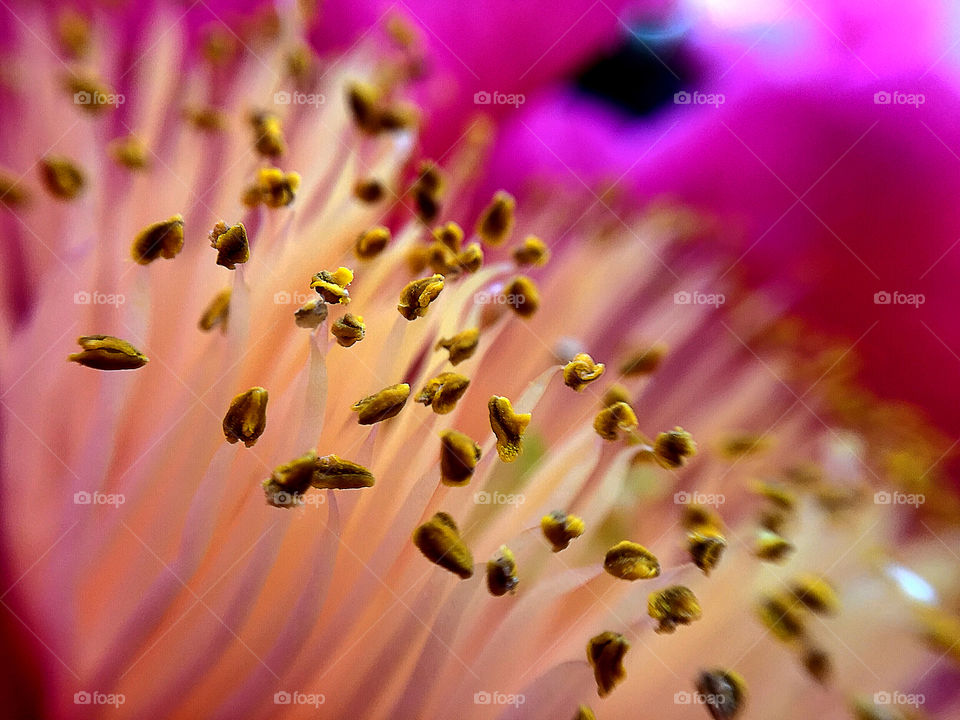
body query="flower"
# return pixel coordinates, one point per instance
(517, 541)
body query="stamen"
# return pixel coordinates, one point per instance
(371, 243)
(744, 444)
(777, 494)
(780, 613)
(11, 193)
(332, 286)
(706, 545)
(73, 33)
(615, 394)
(644, 361)
(217, 312)
(426, 191)
(533, 251)
(105, 352)
(559, 529)
(246, 419)
(231, 244)
(442, 260)
(369, 190)
(629, 561)
(450, 235)
(817, 663)
(461, 346)
(273, 187)
(288, 482)
(416, 297)
(771, 547)
(311, 314)
(611, 420)
(335, 473)
(382, 405)
(816, 593)
(672, 606)
(268, 137)
(161, 239)
(581, 371)
(439, 540)
(584, 713)
(61, 177)
(443, 392)
(502, 573)
(496, 221)
(605, 653)
(130, 152)
(471, 259)
(348, 330)
(724, 691)
(206, 119)
(508, 426)
(522, 295)
(90, 94)
(672, 449)
(459, 455)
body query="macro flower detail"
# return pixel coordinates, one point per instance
(194, 560)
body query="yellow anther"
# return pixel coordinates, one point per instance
(61, 177)
(672, 606)
(439, 540)
(629, 561)
(674, 448)
(533, 251)
(508, 426)
(416, 297)
(559, 529)
(231, 244)
(217, 312)
(461, 346)
(372, 242)
(332, 286)
(161, 239)
(459, 455)
(442, 392)
(246, 418)
(382, 405)
(644, 361)
(335, 473)
(496, 221)
(105, 352)
(605, 653)
(348, 330)
(581, 371)
(611, 420)
(522, 296)
(502, 573)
